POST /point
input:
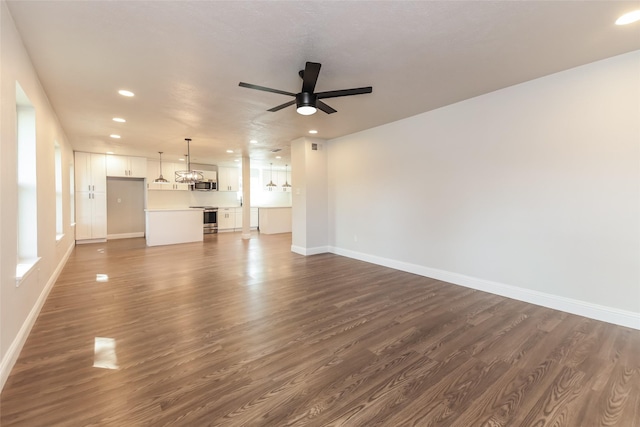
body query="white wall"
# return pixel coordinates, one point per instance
(19, 305)
(299, 196)
(310, 196)
(125, 207)
(532, 191)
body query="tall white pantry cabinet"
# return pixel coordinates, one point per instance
(91, 197)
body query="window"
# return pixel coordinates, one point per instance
(58, 171)
(72, 194)
(27, 218)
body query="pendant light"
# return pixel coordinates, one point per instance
(286, 179)
(160, 178)
(270, 185)
(189, 176)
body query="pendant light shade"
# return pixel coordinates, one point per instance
(160, 178)
(189, 176)
(271, 185)
(286, 178)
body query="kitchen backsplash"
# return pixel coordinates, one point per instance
(214, 198)
(181, 199)
(268, 198)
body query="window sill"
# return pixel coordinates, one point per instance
(24, 269)
(59, 237)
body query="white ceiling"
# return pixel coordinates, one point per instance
(184, 59)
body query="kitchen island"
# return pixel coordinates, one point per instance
(274, 220)
(172, 226)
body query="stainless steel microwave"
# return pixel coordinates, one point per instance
(205, 186)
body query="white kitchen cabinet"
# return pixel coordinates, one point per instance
(167, 186)
(127, 167)
(226, 219)
(91, 196)
(90, 172)
(91, 216)
(209, 175)
(228, 179)
(230, 219)
(238, 219)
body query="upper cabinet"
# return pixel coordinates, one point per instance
(90, 172)
(228, 179)
(209, 175)
(127, 167)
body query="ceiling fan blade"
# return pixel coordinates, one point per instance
(281, 106)
(266, 89)
(310, 76)
(324, 107)
(344, 92)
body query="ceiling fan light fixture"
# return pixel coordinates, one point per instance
(306, 110)
(306, 103)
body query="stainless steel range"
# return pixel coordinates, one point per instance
(210, 219)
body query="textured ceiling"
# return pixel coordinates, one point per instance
(184, 59)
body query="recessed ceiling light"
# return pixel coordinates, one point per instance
(109, 152)
(113, 135)
(313, 131)
(629, 18)
(236, 160)
(182, 160)
(229, 151)
(278, 157)
(119, 120)
(125, 92)
(253, 141)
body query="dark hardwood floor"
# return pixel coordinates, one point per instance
(245, 333)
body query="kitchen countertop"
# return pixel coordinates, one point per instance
(253, 207)
(171, 209)
(219, 207)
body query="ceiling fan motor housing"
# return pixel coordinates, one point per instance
(306, 99)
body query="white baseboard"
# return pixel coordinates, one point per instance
(603, 313)
(87, 241)
(125, 235)
(11, 356)
(309, 251)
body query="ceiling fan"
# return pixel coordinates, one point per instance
(307, 101)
